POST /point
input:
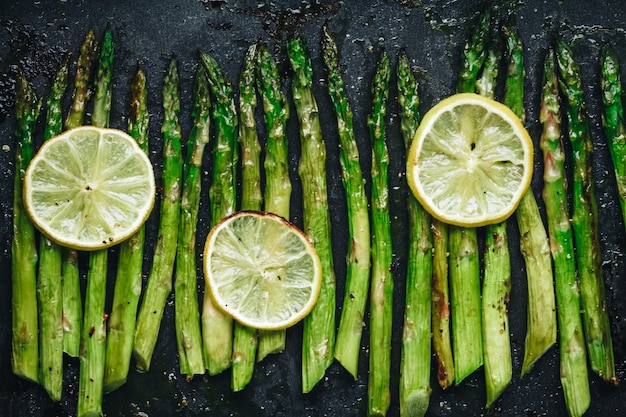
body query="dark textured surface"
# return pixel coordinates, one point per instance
(32, 33)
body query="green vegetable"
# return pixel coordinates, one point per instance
(463, 264)
(497, 266)
(72, 301)
(123, 316)
(217, 327)
(277, 193)
(245, 341)
(613, 118)
(442, 340)
(381, 293)
(348, 343)
(541, 316)
(159, 284)
(93, 337)
(585, 220)
(573, 365)
(50, 282)
(318, 342)
(24, 318)
(415, 360)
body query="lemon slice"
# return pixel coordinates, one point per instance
(89, 188)
(471, 161)
(261, 270)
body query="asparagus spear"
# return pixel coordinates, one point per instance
(447, 270)
(25, 347)
(72, 302)
(93, 338)
(159, 284)
(474, 53)
(245, 340)
(188, 334)
(497, 266)
(319, 326)
(613, 119)
(442, 342)
(415, 360)
(463, 269)
(574, 378)
(381, 293)
(541, 316)
(358, 265)
(217, 327)
(277, 194)
(585, 220)
(123, 317)
(50, 284)
(82, 87)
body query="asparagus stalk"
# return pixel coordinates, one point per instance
(415, 360)
(445, 268)
(613, 119)
(245, 340)
(497, 266)
(82, 87)
(585, 220)
(474, 54)
(25, 347)
(123, 317)
(72, 302)
(442, 342)
(217, 327)
(573, 362)
(541, 316)
(277, 193)
(358, 265)
(251, 195)
(159, 284)
(463, 269)
(93, 338)
(318, 342)
(381, 293)
(188, 334)
(50, 284)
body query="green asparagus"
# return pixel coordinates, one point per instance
(497, 266)
(573, 362)
(72, 301)
(159, 284)
(442, 341)
(93, 338)
(415, 360)
(277, 193)
(318, 342)
(217, 327)
(82, 82)
(463, 268)
(50, 284)
(123, 317)
(613, 119)
(585, 220)
(25, 346)
(358, 265)
(541, 316)
(381, 293)
(245, 340)
(188, 333)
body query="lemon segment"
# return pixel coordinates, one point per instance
(261, 270)
(471, 161)
(89, 188)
